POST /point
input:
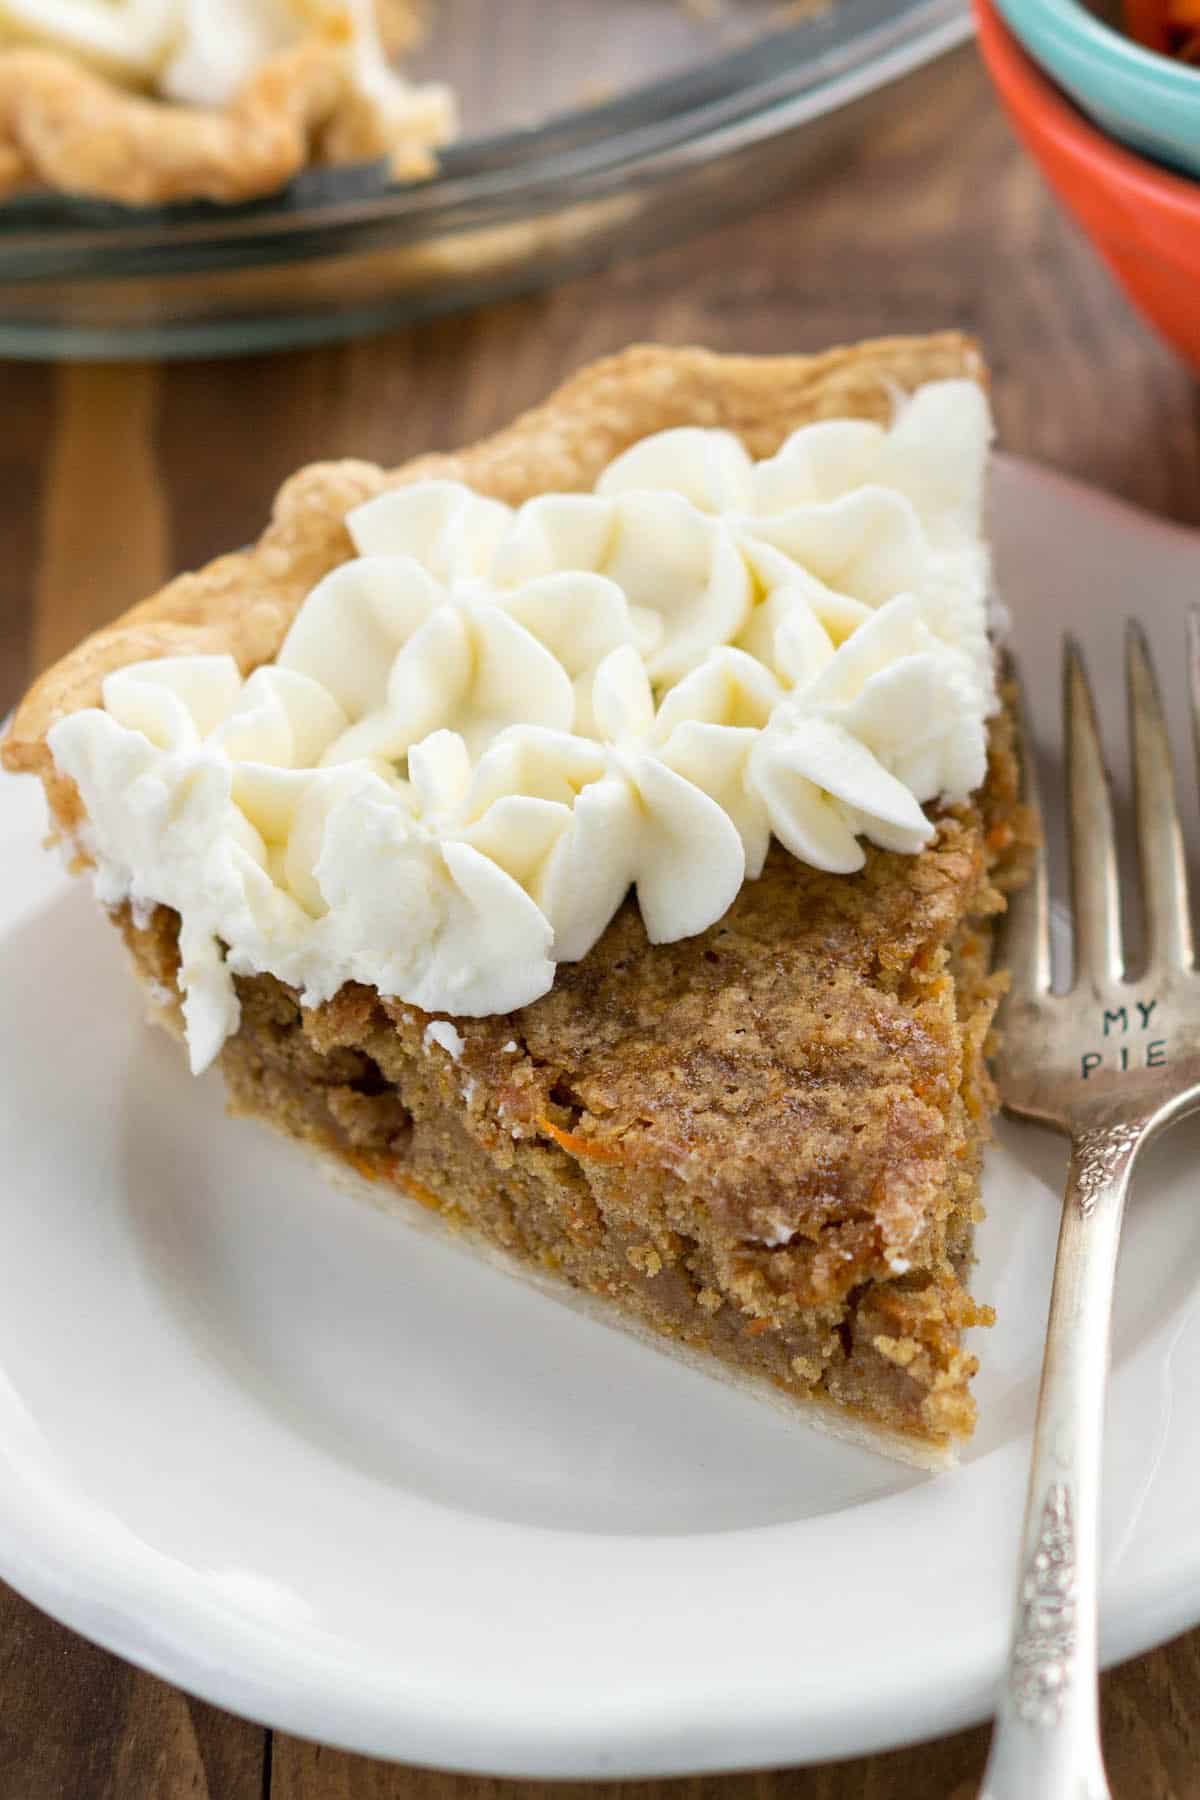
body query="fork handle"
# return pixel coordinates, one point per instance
(1046, 1743)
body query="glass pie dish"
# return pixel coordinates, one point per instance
(592, 128)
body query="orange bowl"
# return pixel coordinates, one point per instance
(1144, 221)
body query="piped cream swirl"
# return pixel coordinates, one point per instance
(488, 726)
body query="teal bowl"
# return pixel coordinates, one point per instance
(1148, 101)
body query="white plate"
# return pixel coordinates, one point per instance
(329, 1471)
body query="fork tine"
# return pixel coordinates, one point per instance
(1027, 921)
(1094, 890)
(1160, 839)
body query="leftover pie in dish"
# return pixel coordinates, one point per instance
(596, 837)
(151, 101)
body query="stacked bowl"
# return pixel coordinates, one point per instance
(1115, 128)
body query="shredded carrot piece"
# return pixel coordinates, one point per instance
(368, 1167)
(588, 1148)
(417, 1190)
(757, 1327)
(384, 1168)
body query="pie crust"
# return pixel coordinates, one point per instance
(66, 127)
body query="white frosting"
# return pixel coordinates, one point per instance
(130, 40)
(490, 724)
(201, 51)
(441, 1031)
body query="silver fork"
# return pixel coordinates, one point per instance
(1111, 1063)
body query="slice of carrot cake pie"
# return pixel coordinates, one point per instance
(596, 836)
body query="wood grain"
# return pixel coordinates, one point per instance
(76, 1724)
(27, 412)
(1152, 1742)
(104, 531)
(108, 477)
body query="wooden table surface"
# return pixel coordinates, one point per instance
(113, 477)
